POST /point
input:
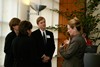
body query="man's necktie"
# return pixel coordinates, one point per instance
(44, 38)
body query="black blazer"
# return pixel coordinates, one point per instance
(41, 49)
(7, 49)
(23, 52)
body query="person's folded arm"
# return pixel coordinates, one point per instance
(66, 54)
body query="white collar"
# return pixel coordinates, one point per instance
(42, 32)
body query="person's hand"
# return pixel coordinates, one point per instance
(45, 58)
(61, 45)
(66, 41)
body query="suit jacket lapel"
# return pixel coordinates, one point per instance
(40, 35)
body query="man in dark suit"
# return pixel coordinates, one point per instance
(44, 42)
(14, 27)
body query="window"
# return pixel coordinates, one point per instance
(7, 11)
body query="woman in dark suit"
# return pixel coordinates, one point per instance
(74, 53)
(14, 23)
(44, 41)
(22, 48)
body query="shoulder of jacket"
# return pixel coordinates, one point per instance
(48, 31)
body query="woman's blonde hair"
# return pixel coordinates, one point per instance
(75, 22)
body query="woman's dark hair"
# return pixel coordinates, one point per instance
(13, 22)
(75, 22)
(23, 27)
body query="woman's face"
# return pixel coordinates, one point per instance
(70, 30)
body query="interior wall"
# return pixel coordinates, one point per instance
(23, 7)
(0, 11)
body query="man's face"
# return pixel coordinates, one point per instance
(16, 27)
(42, 24)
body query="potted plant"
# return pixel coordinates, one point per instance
(89, 21)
